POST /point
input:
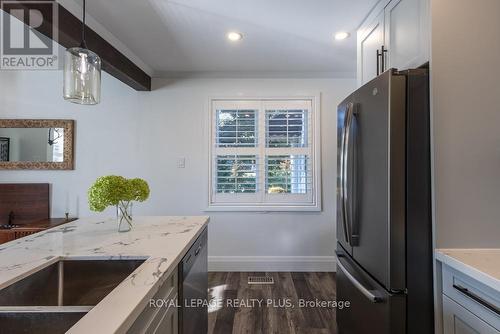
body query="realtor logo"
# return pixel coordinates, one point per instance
(28, 35)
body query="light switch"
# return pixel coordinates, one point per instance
(181, 163)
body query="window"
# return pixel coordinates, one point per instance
(264, 155)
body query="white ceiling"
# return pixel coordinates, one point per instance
(281, 37)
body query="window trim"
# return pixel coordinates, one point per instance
(315, 118)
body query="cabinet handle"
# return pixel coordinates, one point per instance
(197, 251)
(378, 62)
(478, 299)
(382, 56)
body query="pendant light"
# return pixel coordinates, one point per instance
(82, 73)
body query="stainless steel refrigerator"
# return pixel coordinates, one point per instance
(384, 234)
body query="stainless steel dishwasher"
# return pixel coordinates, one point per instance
(193, 288)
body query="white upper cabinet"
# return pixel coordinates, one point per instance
(370, 40)
(406, 34)
(401, 27)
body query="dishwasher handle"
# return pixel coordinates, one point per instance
(190, 257)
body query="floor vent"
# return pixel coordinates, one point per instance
(260, 280)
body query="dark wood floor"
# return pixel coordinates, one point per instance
(288, 290)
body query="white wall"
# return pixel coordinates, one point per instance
(177, 115)
(142, 134)
(37, 94)
(466, 119)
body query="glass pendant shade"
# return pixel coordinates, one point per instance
(82, 72)
(82, 76)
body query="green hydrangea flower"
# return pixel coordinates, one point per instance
(137, 190)
(111, 190)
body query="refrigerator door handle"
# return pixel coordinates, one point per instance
(352, 237)
(367, 293)
(343, 172)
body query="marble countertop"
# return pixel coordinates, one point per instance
(480, 264)
(162, 241)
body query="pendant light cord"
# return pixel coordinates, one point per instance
(84, 43)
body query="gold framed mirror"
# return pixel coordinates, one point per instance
(36, 144)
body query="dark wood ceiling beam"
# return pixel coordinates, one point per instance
(113, 61)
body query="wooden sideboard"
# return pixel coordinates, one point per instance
(29, 202)
(7, 235)
(27, 207)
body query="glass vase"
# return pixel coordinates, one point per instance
(124, 216)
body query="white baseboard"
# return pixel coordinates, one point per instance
(272, 263)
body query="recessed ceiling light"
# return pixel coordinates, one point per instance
(234, 36)
(341, 35)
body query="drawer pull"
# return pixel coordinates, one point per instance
(478, 299)
(197, 251)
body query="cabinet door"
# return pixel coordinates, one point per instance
(458, 320)
(152, 318)
(406, 33)
(370, 39)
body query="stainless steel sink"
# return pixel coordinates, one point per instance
(54, 298)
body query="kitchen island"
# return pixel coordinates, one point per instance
(160, 242)
(469, 290)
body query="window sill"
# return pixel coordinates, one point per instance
(262, 208)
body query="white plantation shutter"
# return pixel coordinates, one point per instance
(236, 174)
(286, 128)
(288, 151)
(288, 174)
(236, 128)
(264, 155)
(235, 163)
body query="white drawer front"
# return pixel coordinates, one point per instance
(168, 323)
(457, 320)
(472, 295)
(152, 317)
